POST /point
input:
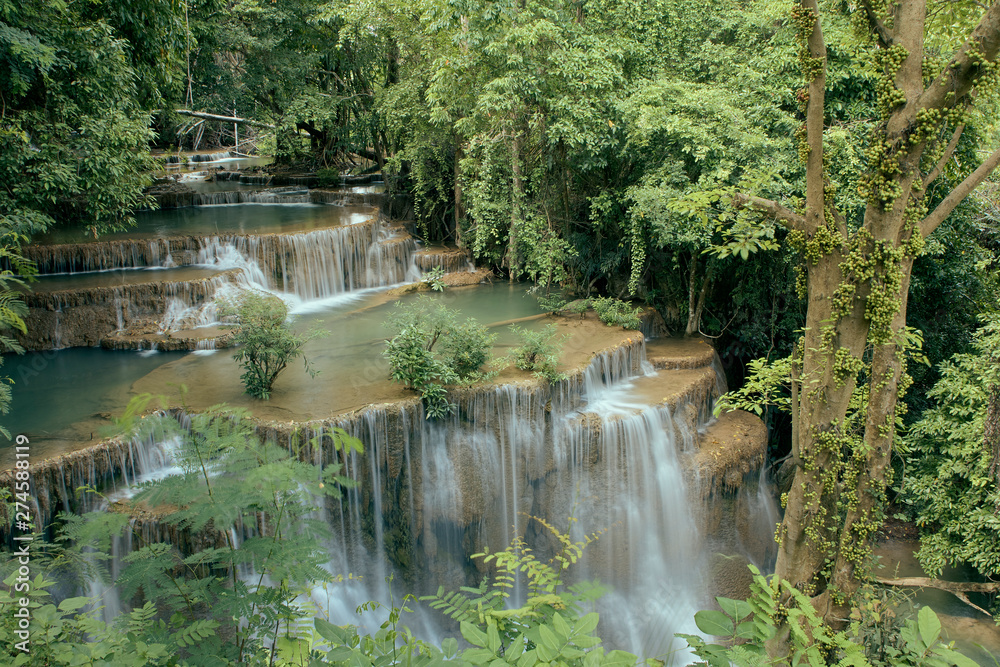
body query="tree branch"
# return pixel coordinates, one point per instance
(950, 586)
(815, 68)
(962, 71)
(790, 218)
(884, 37)
(956, 588)
(948, 152)
(960, 192)
(222, 119)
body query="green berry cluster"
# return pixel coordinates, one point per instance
(889, 61)
(804, 21)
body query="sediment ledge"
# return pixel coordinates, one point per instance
(84, 317)
(732, 447)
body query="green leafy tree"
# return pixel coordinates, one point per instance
(462, 349)
(857, 264)
(953, 480)
(265, 339)
(538, 351)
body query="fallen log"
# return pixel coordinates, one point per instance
(957, 588)
(223, 119)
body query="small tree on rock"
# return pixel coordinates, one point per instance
(265, 339)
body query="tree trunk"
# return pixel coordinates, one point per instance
(222, 119)
(857, 296)
(459, 212)
(696, 297)
(513, 258)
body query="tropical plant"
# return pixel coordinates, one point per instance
(432, 279)
(617, 313)
(265, 340)
(952, 483)
(538, 351)
(245, 501)
(749, 627)
(462, 349)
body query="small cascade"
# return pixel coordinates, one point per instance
(290, 195)
(315, 265)
(256, 179)
(82, 317)
(210, 157)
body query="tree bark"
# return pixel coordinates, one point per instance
(696, 297)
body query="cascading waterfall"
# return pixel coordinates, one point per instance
(443, 490)
(429, 493)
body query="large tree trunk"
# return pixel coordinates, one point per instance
(513, 256)
(459, 210)
(857, 294)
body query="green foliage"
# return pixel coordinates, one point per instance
(550, 301)
(747, 627)
(62, 635)
(951, 483)
(432, 279)
(265, 338)
(538, 351)
(617, 313)
(328, 177)
(548, 628)
(228, 479)
(462, 349)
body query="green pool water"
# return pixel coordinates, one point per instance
(63, 398)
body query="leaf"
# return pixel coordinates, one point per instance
(619, 659)
(956, 658)
(929, 625)
(714, 623)
(737, 609)
(473, 635)
(331, 632)
(586, 625)
(72, 604)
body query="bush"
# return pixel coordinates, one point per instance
(328, 177)
(467, 347)
(550, 302)
(538, 351)
(433, 280)
(266, 342)
(427, 324)
(615, 312)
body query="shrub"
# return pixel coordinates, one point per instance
(328, 177)
(538, 351)
(266, 342)
(550, 302)
(462, 349)
(615, 312)
(433, 277)
(467, 347)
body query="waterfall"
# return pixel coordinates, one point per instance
(429, 493)
(290, 195)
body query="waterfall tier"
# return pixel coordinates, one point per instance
(615, 447)
(305, 266)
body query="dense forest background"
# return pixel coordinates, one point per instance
(584, 145)
(574, 144)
